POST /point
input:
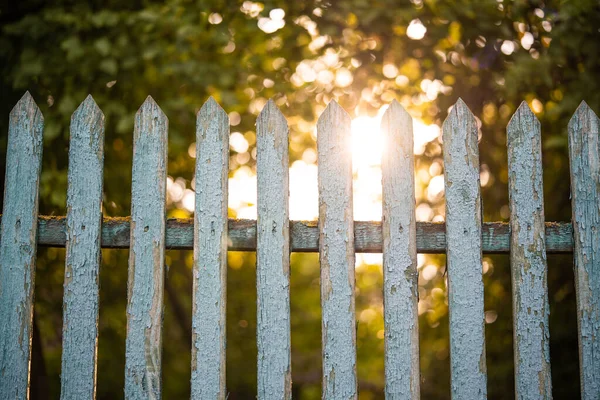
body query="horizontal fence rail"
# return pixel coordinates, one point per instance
(304, 235)
(464, 237)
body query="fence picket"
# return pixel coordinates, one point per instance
(336, 236)
(400, 274)
(464, 259)
(273, 256)
(336, 253)
(584, 155)
(84, 223)
(528, 257)
(18, 246)
(146, 255)
(210, 253)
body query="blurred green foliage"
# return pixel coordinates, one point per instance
(493, 54)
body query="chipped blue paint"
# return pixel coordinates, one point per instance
(400, 274)
(18, 247)
(84, 223)
(528, 257)
(273, 256)
(210, 253)
(336, 254)
(463, 233)
(584, 155)
(146, 254)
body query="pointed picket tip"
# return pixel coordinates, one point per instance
(270, 106)
(151, 106)
(271, 112)
(396, 107)
(89, 102)
(149, 102)
(209, 107)
(460, 112)
(27, 105)
(87, 108)
(582, 112)
(524, 112)
(334, 106)
(396, 111)
(334, 110)
(524, 109)
(584, 107)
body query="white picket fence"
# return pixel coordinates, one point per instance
(463, 237)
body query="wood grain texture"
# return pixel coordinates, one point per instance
(146, 255)
(584, 155)
(304, 235)
(273, 256)
(464, 259)
(82, 267)
(528, 257)
(18, 249)
(336, 254)
(400, 276)
(210, 253)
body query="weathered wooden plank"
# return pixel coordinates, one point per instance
(584, 155)
(304, 235)
(273, 256)
(336, 254)
(400, 276)
(146, 254)
(528, 257)
(18, 252)
(463, 230)
(82, 267)
(210, 253)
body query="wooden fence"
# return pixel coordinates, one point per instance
(464, 237)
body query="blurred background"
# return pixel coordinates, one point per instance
(425, 54)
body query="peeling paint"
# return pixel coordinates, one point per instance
(17, 256)
(584, 156)
(400, 257)
(84, 223)
(464, 257)
(210, 253)
(336, 253)
(528, 257)
(146, 255)
(273, 256)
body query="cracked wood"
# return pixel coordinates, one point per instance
(400, 274)
(528, 257)
(210, 253)
(336, 254)
(145, 282)
(463, 255)
(584, 155)
(273, 256)
(18, 249)
(82, 265)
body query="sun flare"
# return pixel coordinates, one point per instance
(367, 149)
